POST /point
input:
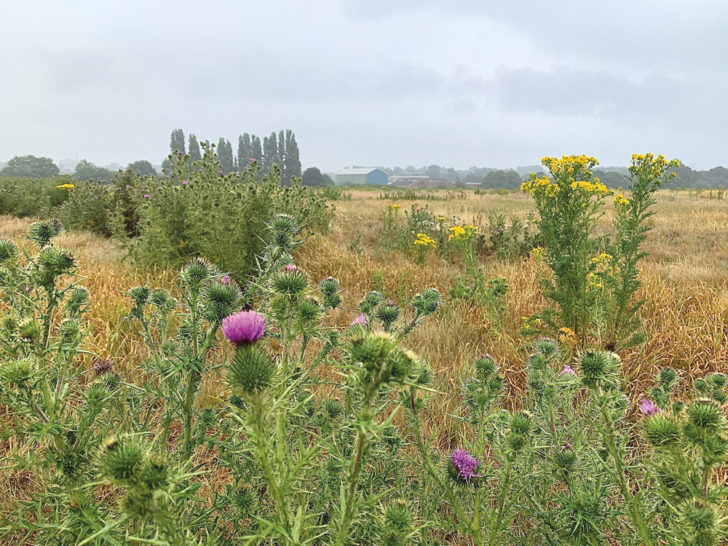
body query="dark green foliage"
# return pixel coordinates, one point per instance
(29, 166)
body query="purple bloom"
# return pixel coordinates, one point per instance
(244, 327)
(648, 407)
(252, 160)
(361, 319)
(220, 171)
(290, 268)
(225, 280)
(185, 182)
(147, 196)
(567, 369)
(464, 464)
(128, 187)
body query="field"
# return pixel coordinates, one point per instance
(684, 284)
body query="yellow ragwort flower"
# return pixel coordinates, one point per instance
(66, 187)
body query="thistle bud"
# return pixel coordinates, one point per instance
(388, 313)
(329, 288)
(520, 424)
(18, 372)
(154, 471)
(485, 366)
(139, 295)
(546, 347)
(283, 229)
(333, 408)
(662, 430)
(667, 377)
(289, 283)
(370, 301)
(427, 302)
(103, 365)
(252, 370)
(220, 300)
(309, 310)
(197, 271)
(8, 250)
(161, 299)
(706, 414)
(594, 367)
(120, 458)
(565, 460)
(77, 300)
(30, 330)
(43, 231)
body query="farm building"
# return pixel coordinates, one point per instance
(361, 176)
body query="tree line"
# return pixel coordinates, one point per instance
(277, 149)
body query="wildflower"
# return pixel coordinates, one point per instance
(568, 370)
(425, 240)
(537, 253)
(147, 196)
(225, 280)
(620, 199)
(441, 218)
(66, 187)
(464, 465)
(648, 407)
(128, 187)
(185, 182)
(290, 268)
(567, 337)
(396, 206)
(360, 319)
(243, 328)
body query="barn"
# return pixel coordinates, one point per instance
(360, 176)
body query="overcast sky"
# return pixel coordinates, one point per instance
(369, 82)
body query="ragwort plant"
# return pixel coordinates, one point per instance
(594, 279)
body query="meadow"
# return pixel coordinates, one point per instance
(148, 421)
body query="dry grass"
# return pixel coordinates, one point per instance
(685, 280)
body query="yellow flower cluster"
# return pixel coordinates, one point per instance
(569, 165)
(396, 206)
(66, 187)
(537, 253)
(462, 233)
(590, 187)
(540, 186)
(620, 199)
(567, 337)
(650, 166)
(594, 281)
(425, 240)
(603, 258)
(441, 218)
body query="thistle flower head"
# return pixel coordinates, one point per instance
(662, 430)
(139, 295)
(154, 471)
(706, 414)
(648, 407)
(309, 310)
(463, 466)
(361, 319)
(546, 347)
(568, 370)
(283, 229)
(387, 312)
(427, 302)
(18, 372)
(197, 271)
(243, 328)
(77, 299)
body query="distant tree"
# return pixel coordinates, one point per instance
(270, 152)
(166, 165)
(256, 149)
(504, 179)
(85, 170)
(433, 171)
(282, 143)
(292, 160)
(177, 141)
(452, 174)
(142, 168)
(612, 179)
(30, 166)
(225, 156)
(313, 177)
(194, 149)
(245, 151)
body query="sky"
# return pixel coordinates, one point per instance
(369, 82)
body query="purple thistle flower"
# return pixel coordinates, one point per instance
(648, 407)
(568, 369)
(147, 196)
(128, 187)
(360, 319)
(244, 327)
(464, 464)
(185, 182)
(252, 160)
(225, 280)
(290, 268)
